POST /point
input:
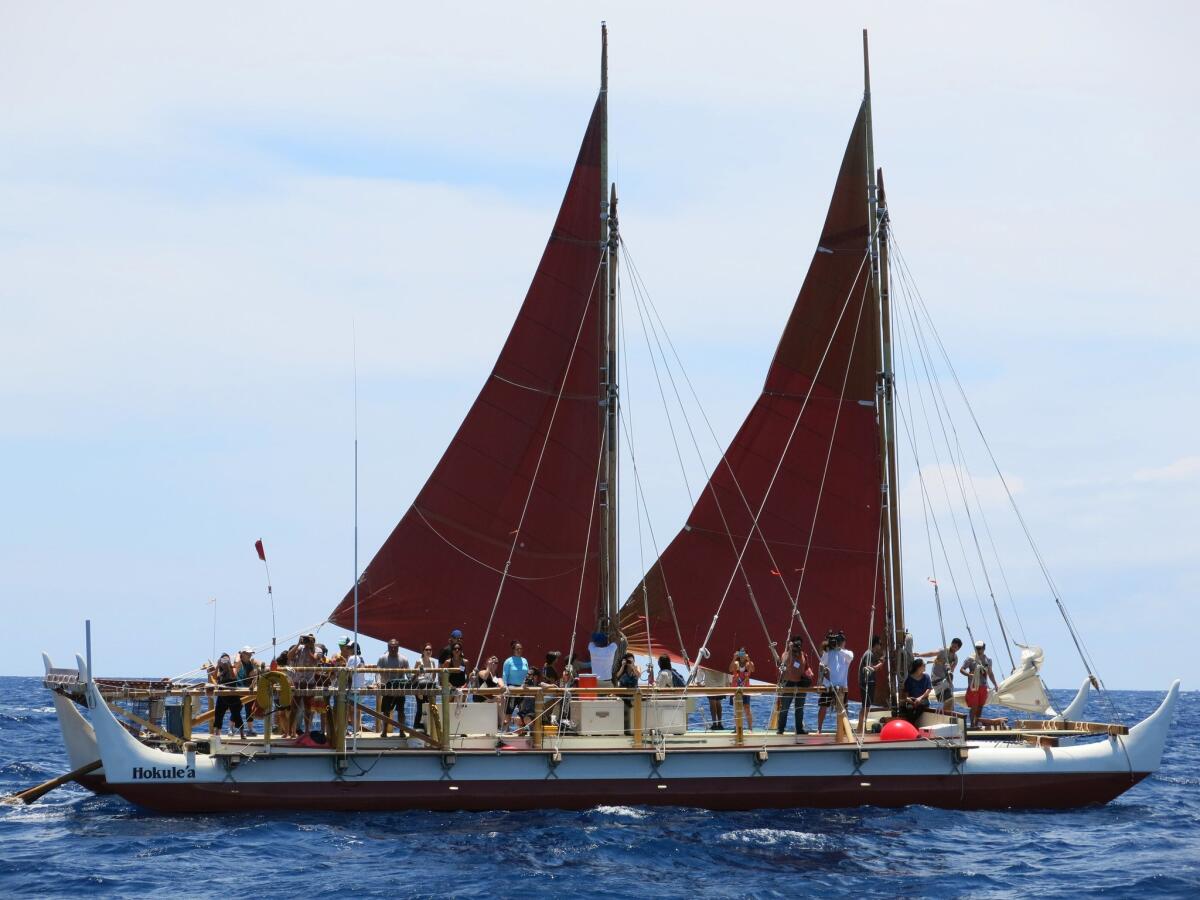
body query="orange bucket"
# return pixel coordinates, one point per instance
(587, 681)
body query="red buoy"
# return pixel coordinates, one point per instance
(899, 730)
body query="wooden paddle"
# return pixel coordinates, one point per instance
(35, 793)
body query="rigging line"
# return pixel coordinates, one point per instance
(637, 481)
(909, 290)
(1084, 656)
(925, 506)
(700, 456)
(723, 457)
(663, 395)
(866, 701)
(199, 670)
(957, 463)
(941, 473)
(927, 502)
(488, 566)
(583, 575)
(626, 411)
(788, 444)
(825, 469)
(627, 427)
(542, 453)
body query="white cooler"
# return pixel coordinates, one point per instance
(598, 716)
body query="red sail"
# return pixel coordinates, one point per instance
(538, 412)
(825, 362)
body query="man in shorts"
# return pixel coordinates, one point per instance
(945, 661)
(835, 676)
(978, 669)
(392, 701)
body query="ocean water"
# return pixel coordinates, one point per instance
(71, 843)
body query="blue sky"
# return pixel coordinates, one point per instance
(197, 209)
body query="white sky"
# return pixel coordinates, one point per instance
(196, 208)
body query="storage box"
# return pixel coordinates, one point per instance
(599, 716)
(667, 716)
(473, 718)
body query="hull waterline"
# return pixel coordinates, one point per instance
(946, 791)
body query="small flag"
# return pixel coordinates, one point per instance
(776, 573)
(262, 554)
(932, 581)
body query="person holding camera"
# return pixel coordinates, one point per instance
(628, 675)
(740, 671)
(835, 675)
(796, 673)
(868, 672)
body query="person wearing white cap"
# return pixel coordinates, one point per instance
(978, 669)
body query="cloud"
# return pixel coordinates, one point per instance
(195, 209)
(1185, 468)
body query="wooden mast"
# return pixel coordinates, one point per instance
(609, 600)
(885, 409)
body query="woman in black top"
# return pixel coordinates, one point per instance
(458, 663)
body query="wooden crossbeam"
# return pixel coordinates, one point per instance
(403, 729)
(1086, 727)
(149, 726)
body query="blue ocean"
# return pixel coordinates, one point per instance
(71, 843)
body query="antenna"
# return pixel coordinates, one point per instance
(213, 603)
(354, 355)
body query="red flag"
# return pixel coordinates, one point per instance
(262, 554)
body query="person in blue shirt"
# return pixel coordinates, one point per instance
(918, 688)
(516, 671)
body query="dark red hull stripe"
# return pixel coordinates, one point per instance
(95, 783)
(947, 791)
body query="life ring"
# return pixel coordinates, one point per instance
(266, 681)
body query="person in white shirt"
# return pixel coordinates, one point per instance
(835, 675)
(667, 677)
(358, 680)
(602, 653)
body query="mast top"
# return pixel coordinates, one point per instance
(603, 57)
(866, 68)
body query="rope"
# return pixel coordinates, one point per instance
(957, 463)
(541, 455)
(945, 489)
(625, 416)
(638, 296)
(627, 430)
(492, 568)
(825, 469)
(582, 575)
(1080, 647)
(203, 670)
(787, 446)
(723, 458)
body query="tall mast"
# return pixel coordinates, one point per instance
(609, 600)
(885, 405)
